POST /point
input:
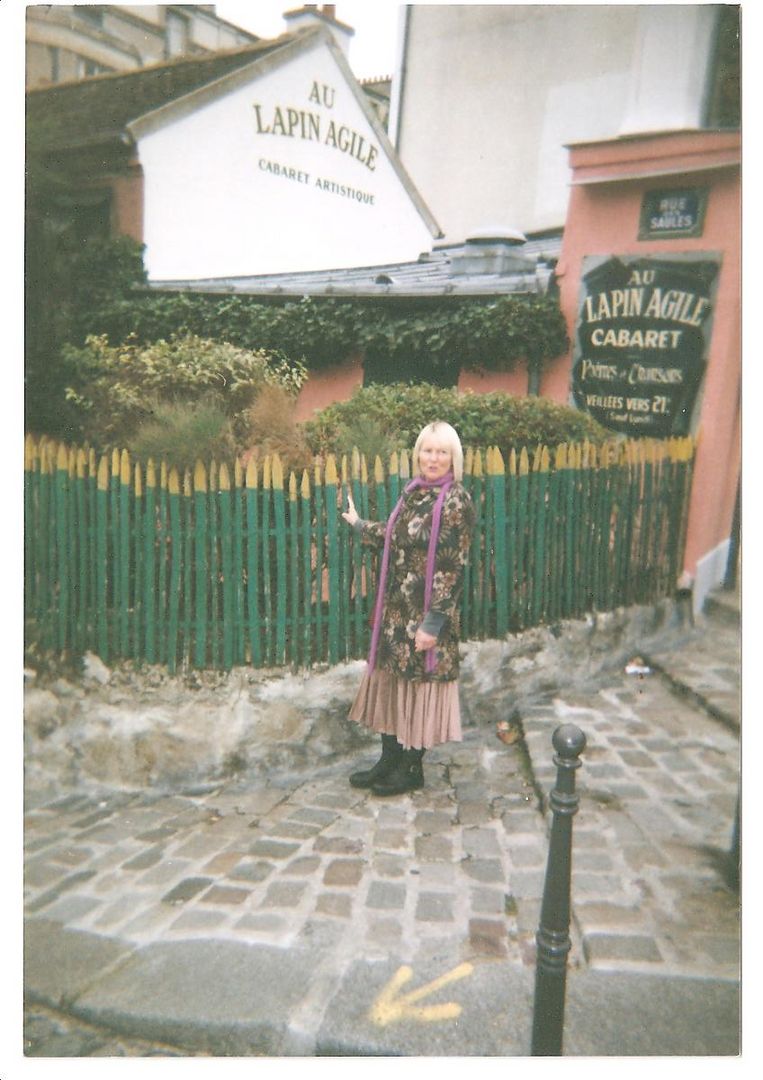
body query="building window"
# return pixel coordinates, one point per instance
(55, 67)
(176, 42)
(86, 67)
(724, 101)
(380, 371)
(90, 13)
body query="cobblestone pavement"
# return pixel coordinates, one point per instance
(280, 863)
(658, 799)
(451, 875)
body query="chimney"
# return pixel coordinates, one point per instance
(492, 251)
(310, 15)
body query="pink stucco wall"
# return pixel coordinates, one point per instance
(323, 388)
(127, 203)
(338, 382)
(609, 180)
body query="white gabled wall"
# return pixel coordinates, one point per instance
(229, 192)
(491, 95)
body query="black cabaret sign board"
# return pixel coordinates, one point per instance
(641, 341)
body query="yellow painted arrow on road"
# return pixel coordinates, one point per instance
(389, 1007)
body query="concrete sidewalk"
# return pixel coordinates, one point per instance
(307, 918)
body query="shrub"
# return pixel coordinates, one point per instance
(182, 432)
(65, 279)
(399, 412)
(369, 434)
(273, 429)
(115, 389)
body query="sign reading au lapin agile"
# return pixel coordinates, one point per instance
(313, 125)
(641, 340)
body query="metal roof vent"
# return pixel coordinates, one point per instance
(498, 234)
(492, 251)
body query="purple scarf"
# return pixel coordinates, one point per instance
(419, 482)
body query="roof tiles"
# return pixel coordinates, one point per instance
(98, 109)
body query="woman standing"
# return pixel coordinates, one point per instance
(409, 692)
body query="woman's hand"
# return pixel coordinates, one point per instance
(350, 515)
(423, 641)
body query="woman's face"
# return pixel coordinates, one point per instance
(435, 458)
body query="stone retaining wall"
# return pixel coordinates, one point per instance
(126, 729)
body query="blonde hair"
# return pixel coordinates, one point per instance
(449, 437)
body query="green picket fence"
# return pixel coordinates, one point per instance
(224, 566)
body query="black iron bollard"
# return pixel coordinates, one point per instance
(553, 937)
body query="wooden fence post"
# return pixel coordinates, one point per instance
(102, 560)
(176, 550)
(293, 638)
(498, 483)
(200, 561)
(238, 563)
(308, 578)
(334, 601)
(139, 519)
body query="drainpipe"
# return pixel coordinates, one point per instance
(533, 377)
(398, 80)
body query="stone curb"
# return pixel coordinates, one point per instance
(161, 732)
(700, 698)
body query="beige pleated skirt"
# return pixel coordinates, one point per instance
(419, 714)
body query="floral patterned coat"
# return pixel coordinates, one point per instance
(404, 594)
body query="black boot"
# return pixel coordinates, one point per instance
(391, 751)
(406, 774)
